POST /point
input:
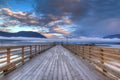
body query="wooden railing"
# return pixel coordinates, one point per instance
(12, 56)
(106, 60)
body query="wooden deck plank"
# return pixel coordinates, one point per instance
(63, 68)
(55, 64)
(50, 75)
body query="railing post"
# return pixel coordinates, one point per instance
(90, 47)
(101, 56)
(35, 49)
(23, 55)
(83, 56)
(75, 49)
(42, 47)
(39, 48)
(78, 50)
(102, 59)
(30, 51)
(45, 47)
(8, 55)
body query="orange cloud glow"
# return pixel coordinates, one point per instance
(60, 30)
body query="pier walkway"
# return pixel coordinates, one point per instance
(56, 63)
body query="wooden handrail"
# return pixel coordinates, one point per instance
(11, 56)
(106, 60)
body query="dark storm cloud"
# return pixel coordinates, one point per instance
(105, 8)
(102, 19)
(73, 8)
(99, 28)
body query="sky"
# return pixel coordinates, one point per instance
(61, 18)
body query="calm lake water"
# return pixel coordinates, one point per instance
(18, 43)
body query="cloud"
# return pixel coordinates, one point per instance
(14, 19)
(20, 16)
(60, 30)
(53, 35)
(97, 40)
(48, 35)
(10, 23)
(98, 27)
(111, 26)
(73, 8)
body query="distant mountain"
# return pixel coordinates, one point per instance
(113, 36)
(22, 34)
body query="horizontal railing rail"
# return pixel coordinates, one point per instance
(11, 56)
(106, 60)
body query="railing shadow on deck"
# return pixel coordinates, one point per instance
(12, 56)
(106, 60)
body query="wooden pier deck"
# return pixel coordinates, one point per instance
(56, 63)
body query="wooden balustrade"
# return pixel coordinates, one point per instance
(106, 60)
(11, 56)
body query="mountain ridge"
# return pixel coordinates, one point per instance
(22, 34)
(113, 36)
